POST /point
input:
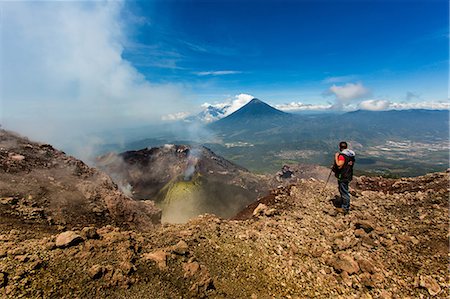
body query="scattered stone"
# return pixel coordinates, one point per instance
(385, 294)
(36, 264)
(190, 269)
(346, 279)
(366, 266)
(359, 233)
(367, 281)
(430, 284)
(127, 268)
(345, 263)
(90, 233)
(260, 209)
(270, 212)
(365, 225)
(96, 272)
(404, 239)
(181, 248)
(204, 284)
(67, 239)
(9, 200)
(17, 157)
(159, 257)
(22, 258)
(118, 278)
(50, 245)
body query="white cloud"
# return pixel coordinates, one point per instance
(434, 105)
(217, 73)
(175, 116)
(348, 92)
(239, 101)
(299, 106)
(62, 71)
(231, 105)
(379, 105)
(374, 105)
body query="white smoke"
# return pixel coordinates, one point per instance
(63, 72)
(192, 161)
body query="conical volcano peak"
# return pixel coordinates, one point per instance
(255, 113)
(257, 107)
(255, 101)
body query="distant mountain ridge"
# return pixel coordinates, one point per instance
(260, 121)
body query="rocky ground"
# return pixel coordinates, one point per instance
(393, 244)
(66, 231)
(42, 186)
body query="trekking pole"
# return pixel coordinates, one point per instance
(329, 175)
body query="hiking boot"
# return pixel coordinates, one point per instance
(341, 211)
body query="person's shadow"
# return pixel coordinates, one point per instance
(337, 201)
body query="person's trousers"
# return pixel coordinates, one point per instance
(345, 195)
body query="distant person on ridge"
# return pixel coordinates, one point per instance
(343, 170)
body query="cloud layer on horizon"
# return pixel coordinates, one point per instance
(299, 106)
(380, 105)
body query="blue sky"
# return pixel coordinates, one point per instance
(283, 51)
(70, 67)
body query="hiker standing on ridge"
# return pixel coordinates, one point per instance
(343, 171)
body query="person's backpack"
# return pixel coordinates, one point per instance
(346, 172)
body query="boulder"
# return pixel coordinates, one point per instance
(96, 271)
(367, 226)
(366, 266)
(159, 257)
(67, 239)
(345, 263)
(190, 269)
(17, 157)
(181, 248)
(430, 284)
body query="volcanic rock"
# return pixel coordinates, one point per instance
(367, 226)
(127, 268)
(180, 248)
(96, 271)
(346, 263)
(430, 284)
(260, 209)
(159, 257)
(366, 266)
(67, 239)
(190, 268)
(89, 233)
